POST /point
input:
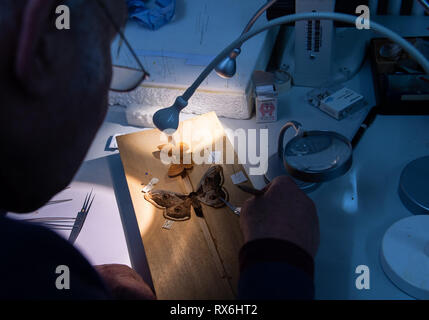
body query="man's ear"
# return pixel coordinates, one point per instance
(29, 65)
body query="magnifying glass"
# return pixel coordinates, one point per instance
(311, 157)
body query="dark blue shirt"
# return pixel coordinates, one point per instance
(30, 255)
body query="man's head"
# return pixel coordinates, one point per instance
(53, 91)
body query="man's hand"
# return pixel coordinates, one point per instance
(124, 282)
(284, 212)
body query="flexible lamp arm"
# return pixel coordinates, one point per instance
(257, 15)
(228, 66)
(250, 24)
(168, 118)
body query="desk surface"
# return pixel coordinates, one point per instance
(354, 210)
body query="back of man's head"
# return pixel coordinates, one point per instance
(53, 91)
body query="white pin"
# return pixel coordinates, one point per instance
(150, 185)
(168, 224)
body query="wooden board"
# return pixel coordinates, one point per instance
(197, 258)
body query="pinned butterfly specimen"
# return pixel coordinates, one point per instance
(177, 206)
(178, 151)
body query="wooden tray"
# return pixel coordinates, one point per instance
(198, 258)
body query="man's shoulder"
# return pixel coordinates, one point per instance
(30, 256)
(21, 241)
(18, 235)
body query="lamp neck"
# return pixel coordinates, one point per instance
(180, 103)
(259, 13)
(235, 53)
(250, 24)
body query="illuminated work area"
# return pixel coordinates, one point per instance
(250, 149)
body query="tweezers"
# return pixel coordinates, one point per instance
(234, 209)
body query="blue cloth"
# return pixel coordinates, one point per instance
(152, 18)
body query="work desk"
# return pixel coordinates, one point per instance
(354, 210)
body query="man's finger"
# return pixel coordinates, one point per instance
(281, 187)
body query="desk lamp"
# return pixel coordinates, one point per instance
(405, 246)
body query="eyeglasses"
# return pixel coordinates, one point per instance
(128, 71)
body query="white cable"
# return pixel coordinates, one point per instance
(412, 51)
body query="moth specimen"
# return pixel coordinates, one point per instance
(177, 206)
(177, 151)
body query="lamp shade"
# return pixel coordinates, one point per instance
(168, 119)
(228, 67)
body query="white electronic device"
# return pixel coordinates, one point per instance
(342, 103)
